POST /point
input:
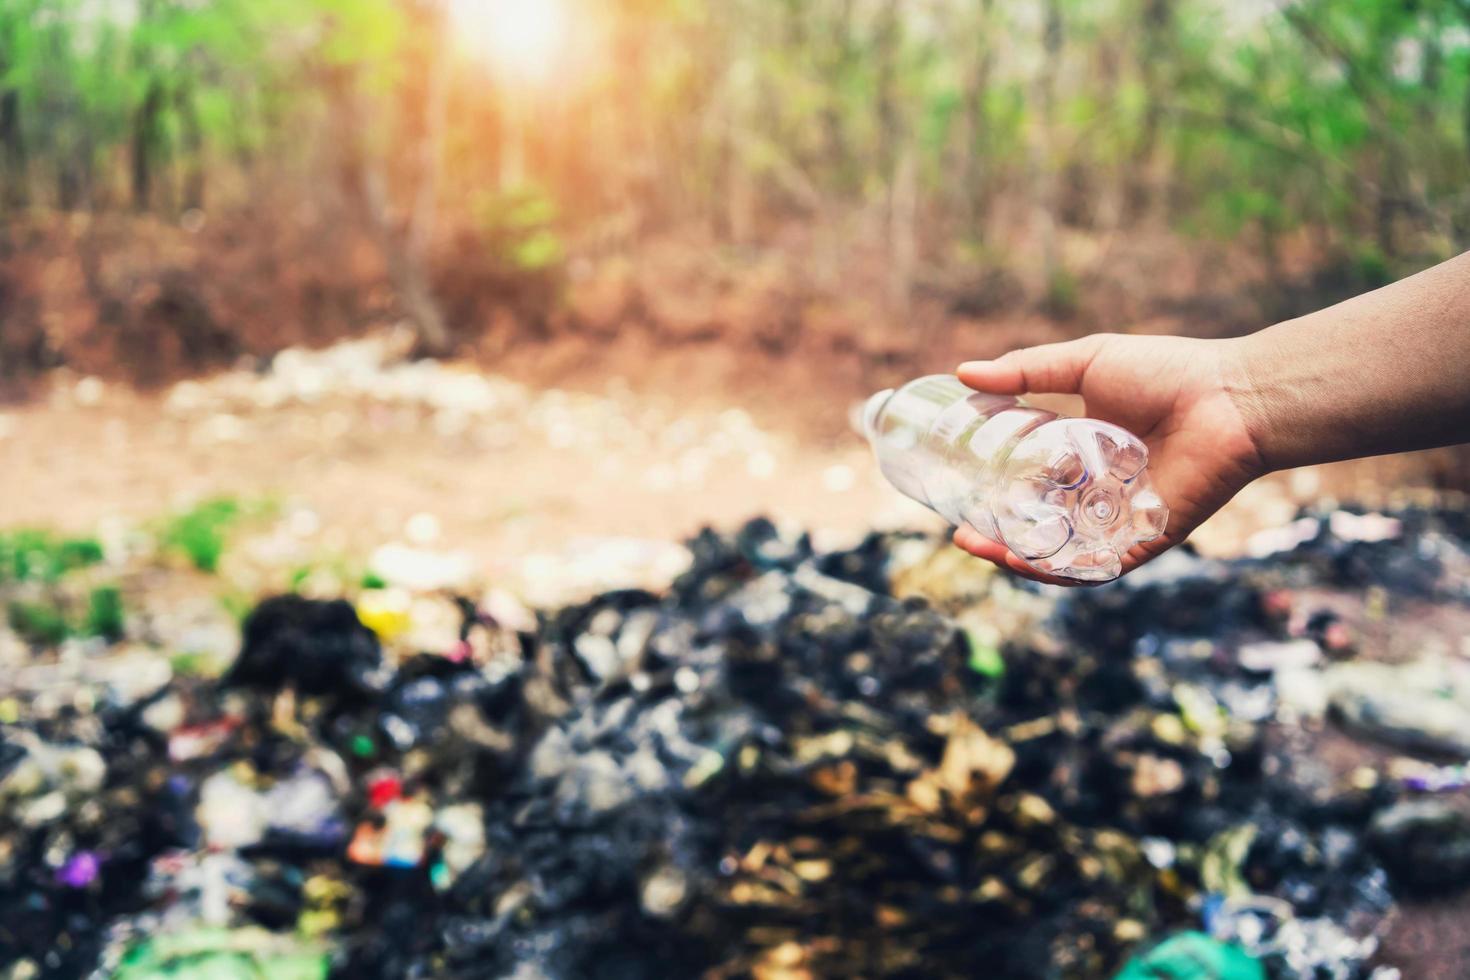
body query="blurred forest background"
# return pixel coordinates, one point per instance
(187, 181)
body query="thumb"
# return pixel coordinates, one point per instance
(1050, 368)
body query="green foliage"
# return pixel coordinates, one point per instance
(42, 622)
(194, 665)
(199, 534)
(39, 556)
(1372, 268)
(539, 250)
(1062, 295)
(519, 227)
(51, 618)
(104, 615)
(46, 611)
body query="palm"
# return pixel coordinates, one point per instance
(1171, 392)
(1200, 454)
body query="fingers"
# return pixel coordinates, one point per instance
(977, 544)
(968, 539)
(1050, 368)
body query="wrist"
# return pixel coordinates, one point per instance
(1246, 378)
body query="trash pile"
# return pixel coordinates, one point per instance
(779, 768)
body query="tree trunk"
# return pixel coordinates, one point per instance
(972, 195)
(423, 218)
(146, 133)
(366, 184)
(418, 294)
(834, 135)
(886, 42)
(1145, 177)
(12, 151)
(147, 120)
(902, 233)
(1044, 165)
(193, 140)
(899, 169)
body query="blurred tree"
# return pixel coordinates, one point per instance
(975, 131)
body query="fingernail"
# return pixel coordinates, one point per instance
(971, 366)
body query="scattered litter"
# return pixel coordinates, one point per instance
(1425, 777)
(1422, 705)
(769, 765)
(1193, 956)
(1426, 844)
(1371, 528)
(1270, 656)
(422, 569)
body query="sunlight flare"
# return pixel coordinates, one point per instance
(521, 38)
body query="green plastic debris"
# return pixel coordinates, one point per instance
(1193, 956)
(224, 954)
(985, 657)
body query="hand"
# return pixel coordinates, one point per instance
(1182, 397)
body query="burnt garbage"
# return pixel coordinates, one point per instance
(777, 768)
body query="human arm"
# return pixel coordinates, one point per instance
(1387, 371)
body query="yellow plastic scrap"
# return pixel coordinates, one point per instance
(1224, 855)
(385, 612)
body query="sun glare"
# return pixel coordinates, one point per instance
(522, 38)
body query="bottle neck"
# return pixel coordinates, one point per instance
(872, 408)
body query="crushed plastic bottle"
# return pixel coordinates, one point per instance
(1069, 496)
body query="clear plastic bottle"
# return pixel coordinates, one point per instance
(1069, 496)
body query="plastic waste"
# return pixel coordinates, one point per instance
(317, 648)
(1193, 956)
(208, 887)
(1423, 704)
(1291, 947)
(303, 809)
(1425, 844)
(219, 954)
(44, 781)
(1426, 777)
(677, 782)
(230, 813)
(1069, 496)
(80, 870)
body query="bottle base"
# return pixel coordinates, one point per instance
(1076, 498)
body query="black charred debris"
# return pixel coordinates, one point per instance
(776, 769)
